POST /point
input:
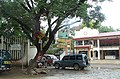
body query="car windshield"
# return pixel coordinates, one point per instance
(53, 57)
(79, 57)
(5, 54)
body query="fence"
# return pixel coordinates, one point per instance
(16, 46)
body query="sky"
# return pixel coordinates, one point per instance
(111, 10)
(112, 13)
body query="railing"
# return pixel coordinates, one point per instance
(16, 54)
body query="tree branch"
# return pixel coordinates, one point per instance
(25, 7)
(55, 21)
(24, 27)
(73, 9)
(58, 21)
(70, 11)
(69, 24)
(32, 3)
(28, 4)
(17, 20)
(58, 24)
(28, 34)
(49, 25)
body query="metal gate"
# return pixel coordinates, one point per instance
(16, 46)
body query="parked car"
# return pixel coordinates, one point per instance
(78, 61)
(51, 59)
(5, 60)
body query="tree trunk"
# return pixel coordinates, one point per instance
(33, 65)
(32, 62)
(40, 52)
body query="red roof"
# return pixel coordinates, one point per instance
(100, 35)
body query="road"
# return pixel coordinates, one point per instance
(95, 71)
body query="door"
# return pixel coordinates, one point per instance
(65, 61)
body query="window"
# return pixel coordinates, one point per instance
(72, 57)
(95, 43)
(79, 43)
(66, 58)
(86, 42)
(79, 57)
(48, 57)
(90, 42)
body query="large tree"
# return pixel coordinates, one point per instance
(24, 17)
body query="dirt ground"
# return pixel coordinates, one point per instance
(95, 71)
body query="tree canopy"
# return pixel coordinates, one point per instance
(106, 29)
(24, 18)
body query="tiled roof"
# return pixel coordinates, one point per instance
(107, 34)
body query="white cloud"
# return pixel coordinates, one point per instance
(112, 13)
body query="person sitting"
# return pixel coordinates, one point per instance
(44, 62)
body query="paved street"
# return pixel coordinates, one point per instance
(95, 71)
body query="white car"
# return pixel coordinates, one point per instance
(52, 57)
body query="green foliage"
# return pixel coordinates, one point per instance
(8, 29)
(53, 49)
(117, 29)
(96, 14)
(94, 18)
(106, 29)
(11, 27)
(91, 24)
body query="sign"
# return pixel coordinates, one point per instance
(39, 35)
(15, 47)
(61, 40)
(62, 34)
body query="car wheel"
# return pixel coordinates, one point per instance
(81, 68)
(76, 66)
(57, 66)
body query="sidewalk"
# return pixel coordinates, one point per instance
(117, 62)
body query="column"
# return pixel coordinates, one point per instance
(93, 54)
(119, 48)
(88, 52)
(102, 55)
(98, 48)
(119, 53)
(83, 43)
(2, 44)
(66, 50)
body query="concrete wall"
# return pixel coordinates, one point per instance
(29, 53)
(32, 52)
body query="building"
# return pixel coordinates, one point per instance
(98, 45)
